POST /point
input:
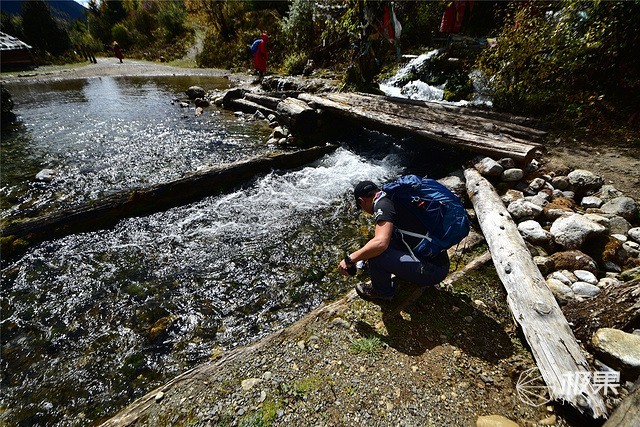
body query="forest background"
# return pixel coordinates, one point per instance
(574, 64)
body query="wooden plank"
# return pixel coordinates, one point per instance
(473, 133)
(136, 202)
(554, 347)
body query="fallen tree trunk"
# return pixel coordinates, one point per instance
(628, 413)
(300, 118)
(108, 211)
(459, 129)
(554, 347)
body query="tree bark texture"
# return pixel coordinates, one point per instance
(454, 126)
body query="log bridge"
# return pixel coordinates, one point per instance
(484, 132)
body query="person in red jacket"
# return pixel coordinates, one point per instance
(261, 56)
(117, 51)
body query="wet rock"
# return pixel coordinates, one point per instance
(523, 210)
(160, 327)
(585, 289)
(572, 231)
(202, 103)
(232, 94)
(584, 181)
(618, 349)
(488, 167)
(511, 175)
(574, 260)
(495, 421)
(195, 92)
(46, 175)
(623, 206)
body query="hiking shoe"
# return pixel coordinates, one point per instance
(368, 293)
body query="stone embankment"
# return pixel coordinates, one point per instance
(584, 238)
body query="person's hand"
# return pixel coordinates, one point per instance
(342, 267)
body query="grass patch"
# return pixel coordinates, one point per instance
(369, 346)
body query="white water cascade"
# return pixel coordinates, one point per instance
(419, 90)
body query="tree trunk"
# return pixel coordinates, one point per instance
(449, 125)
(300, 118)
(108, 211)
(554, 347)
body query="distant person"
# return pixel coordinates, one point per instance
(260, 55)
(117, 51)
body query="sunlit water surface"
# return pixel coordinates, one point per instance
(92, 321)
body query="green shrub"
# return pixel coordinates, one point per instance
(294, 63)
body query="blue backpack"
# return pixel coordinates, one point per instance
(255, 45)
(437, 208)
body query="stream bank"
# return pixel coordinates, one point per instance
(433, 362)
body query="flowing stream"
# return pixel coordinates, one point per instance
(94, 320)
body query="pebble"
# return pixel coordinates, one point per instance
(159, 397)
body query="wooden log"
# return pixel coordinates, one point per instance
(473, 133)
(554, 347)
(249, 107)
(108, 211)
(628, 413)
(300, 118)
(270, 102)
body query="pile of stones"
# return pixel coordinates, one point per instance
(582, 234)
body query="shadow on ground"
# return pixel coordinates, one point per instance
(438, 317)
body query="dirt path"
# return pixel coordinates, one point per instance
(111, 67)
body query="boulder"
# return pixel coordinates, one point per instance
(533, 232)
(507, 163)
(625, 207)
(584, 289)
(591, 202)
(560, 182)
(584, 181)
(586, 276)
(608, 192)
(495, 421)
(618, 225)
(513, 174)
(46, 175)
(634, 234)
(522, 210)
(511, 195)
(572, 231)
(574, 260)
(195, 92)
(618, 349)
(489, 167)
(454, 183)
(562, 292)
